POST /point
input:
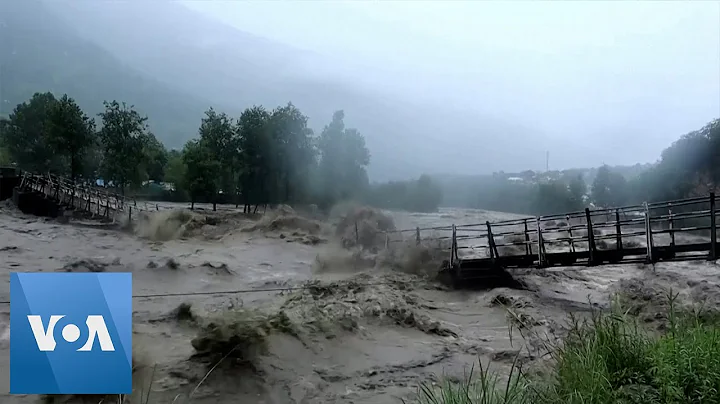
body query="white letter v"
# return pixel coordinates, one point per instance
(44, 339)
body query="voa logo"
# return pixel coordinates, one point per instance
(45, 336)
(71, 333)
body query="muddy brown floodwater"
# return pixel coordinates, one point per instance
(359, 343)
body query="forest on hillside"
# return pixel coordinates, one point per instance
(261, 157)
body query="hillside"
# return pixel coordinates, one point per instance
(40, 52)
(173, 64)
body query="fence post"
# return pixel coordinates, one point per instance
(713, 229)
(453, 249)
(648, 233)
(130, 215)
(672, 226)
(491, 241)
(528, 246)
(541, 260)
(417, 235)
(570, 236)
(618, 231)
(591, 237)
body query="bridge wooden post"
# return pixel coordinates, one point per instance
(541, 259)
(591, 238)
(453, 248)
(491, 241)
(570, 236)
(528, 246)
(713, 228)
(648, 233)
(672, 227)
(618, 231)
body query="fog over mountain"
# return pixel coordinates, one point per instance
(462, 88)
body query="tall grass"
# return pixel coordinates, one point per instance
(483, 389)
(608, 358)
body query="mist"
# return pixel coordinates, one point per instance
(460, 88)
(578, 79)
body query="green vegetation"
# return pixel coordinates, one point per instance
(686, 168)
(264, 157)
(422, 195)
(608, 359)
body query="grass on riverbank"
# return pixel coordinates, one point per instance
(609, 358)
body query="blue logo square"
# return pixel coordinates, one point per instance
(70, 333)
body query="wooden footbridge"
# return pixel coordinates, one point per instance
(648, 233)
(50, 195)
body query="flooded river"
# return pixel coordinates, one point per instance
(377, 342)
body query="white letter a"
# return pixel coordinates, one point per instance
(96, 326)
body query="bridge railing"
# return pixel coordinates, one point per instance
(622, 228)
(82, 195)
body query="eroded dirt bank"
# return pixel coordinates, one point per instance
(366, 328)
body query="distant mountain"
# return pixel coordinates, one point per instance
(173, 64)
(40, 52)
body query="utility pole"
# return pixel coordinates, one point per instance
(547, 160)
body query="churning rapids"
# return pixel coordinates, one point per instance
(351, 342)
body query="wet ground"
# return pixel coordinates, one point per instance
(376, 342)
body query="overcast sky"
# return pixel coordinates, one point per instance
(630, 71)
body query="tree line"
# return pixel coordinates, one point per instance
(261, 157)
(688, 167)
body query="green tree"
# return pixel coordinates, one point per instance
(553, 197)
(123, 138)
(156, 158)
(71, 133)
(426, 195)
(293, 153)
(25, 134)
(5, 158)
(255, 157)
(609, 188)
(201, 179)
(343, 159)
(421, 195)
(217, 133)
(175, 169)
(577, 189)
